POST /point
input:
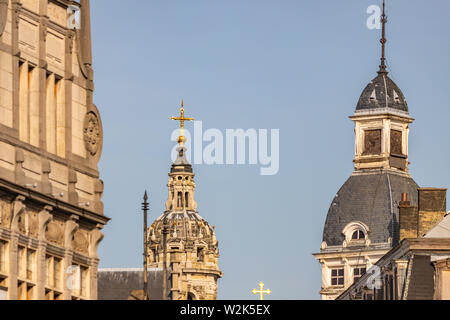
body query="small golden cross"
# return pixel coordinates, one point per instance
(182, 119)
(261, 291)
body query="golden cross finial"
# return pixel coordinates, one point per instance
(182, 119)
(261, 291)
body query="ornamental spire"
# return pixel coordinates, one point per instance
(383, 41)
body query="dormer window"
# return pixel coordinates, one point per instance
(396, 97)
(373, 96)
(356, 233)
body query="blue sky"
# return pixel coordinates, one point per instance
(296, 66)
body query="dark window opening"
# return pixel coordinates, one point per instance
(372, 142)
(200, 255)
(180, 200)
(396, 142)
(337, 277)
(358, 273)
(358, 235)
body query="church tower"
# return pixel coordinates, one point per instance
(181, 240)
(51, 213)
(362, 222)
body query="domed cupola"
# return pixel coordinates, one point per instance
(382, 93)
(181, 239)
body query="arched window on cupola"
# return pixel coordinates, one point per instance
(200, 254)
(356, 233)
(186, 199)
(180, 200)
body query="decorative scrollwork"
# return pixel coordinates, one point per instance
(92, 133)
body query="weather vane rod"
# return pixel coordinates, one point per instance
(145, 208)
(383, 40)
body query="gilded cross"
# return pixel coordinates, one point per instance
(261, 291)
(182, 119)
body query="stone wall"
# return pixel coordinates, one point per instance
(46, 252)
(47, 115)
(51, 211)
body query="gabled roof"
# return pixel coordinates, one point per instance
(441, 229)
(127, 284)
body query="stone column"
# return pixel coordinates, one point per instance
(17, 210)
(16, 7)
(70, 228)
(46, 185)
(67, 84)
(347, 273)
(176, 286)
(325, 281)
(19, 173)
(402, 266)
(442, 279)
(73, 194)
(95, 238)
(42, 74)
(386, 137)
(44, 219)
(98, 191)
(13, 270)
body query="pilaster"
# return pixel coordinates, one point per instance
(71, 226)
(44, 219)
(17, 210)
(95, 239)
(16, 8)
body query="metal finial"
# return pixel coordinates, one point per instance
(182, 119)
(145, 208)
(383, 40)
(145, 203)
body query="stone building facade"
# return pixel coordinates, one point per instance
(183, 240)
(51, 213)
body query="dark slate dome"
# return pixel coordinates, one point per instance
(382, 92)
(373, 200)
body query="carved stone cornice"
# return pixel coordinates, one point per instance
(61, 206)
